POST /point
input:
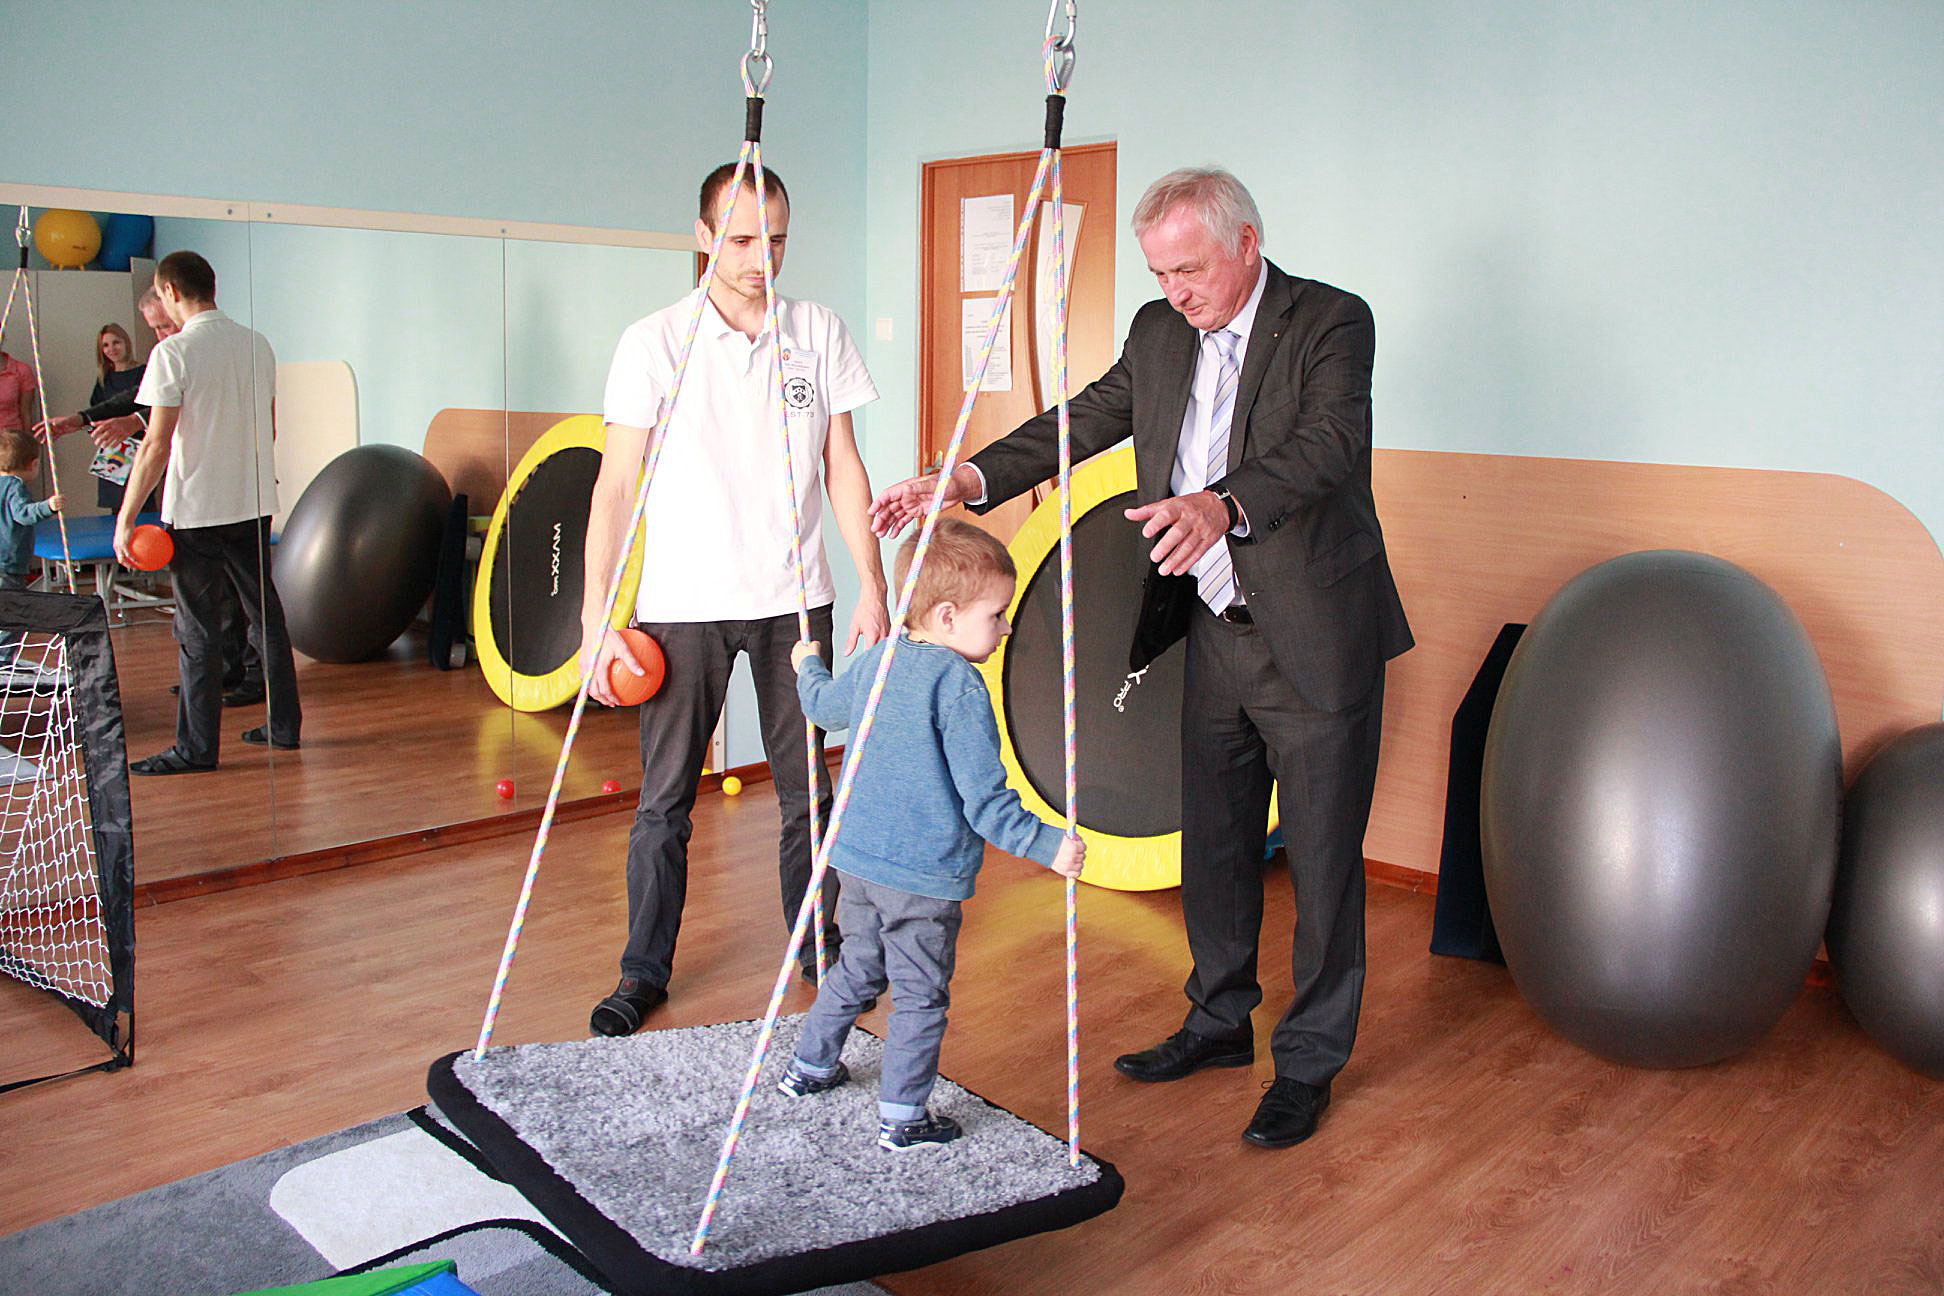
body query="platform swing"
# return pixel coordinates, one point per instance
(612, 1138)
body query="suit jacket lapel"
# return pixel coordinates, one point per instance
(1271, 322)
(1175, 355)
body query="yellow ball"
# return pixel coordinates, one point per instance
(731, 785)
(68, 239)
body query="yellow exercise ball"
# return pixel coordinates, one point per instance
(68, 239)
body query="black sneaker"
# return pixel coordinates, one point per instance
(801, 1084)
(904, 1136)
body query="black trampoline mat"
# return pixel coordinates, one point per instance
(538, 571)
(615, 1140)
(1129, 761)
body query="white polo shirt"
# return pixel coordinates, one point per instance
(223, 379)
(717, 527)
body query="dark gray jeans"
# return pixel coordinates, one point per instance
(906, 941)
(676, 725)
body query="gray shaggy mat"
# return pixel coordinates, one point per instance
(634, 1126)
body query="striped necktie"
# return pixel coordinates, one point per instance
(1215, 572)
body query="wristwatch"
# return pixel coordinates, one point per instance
(1228, 502)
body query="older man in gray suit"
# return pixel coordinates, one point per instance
(1247, 393)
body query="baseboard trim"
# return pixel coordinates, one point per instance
(400, 845)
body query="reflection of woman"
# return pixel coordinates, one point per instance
(115, 361)
(16, 390)
(120, 374)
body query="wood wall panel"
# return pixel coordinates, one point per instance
(1480, 540)
(1088, 178)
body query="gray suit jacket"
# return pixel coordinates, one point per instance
(1312, 567)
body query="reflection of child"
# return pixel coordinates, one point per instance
(930, 788)
(18, 513)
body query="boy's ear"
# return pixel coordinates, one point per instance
(945, 613)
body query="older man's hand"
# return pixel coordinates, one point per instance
(1187, 525)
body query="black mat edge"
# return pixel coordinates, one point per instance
(544, 1238)
(634, 1271)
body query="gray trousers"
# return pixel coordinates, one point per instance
(906, 941)
(1243, 723)
(676, 725)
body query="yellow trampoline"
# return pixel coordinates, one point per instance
(1130, 754)
(527, 597)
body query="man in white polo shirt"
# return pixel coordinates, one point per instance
(210, 390)
(716, 577)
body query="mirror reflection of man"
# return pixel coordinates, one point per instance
(113, 423)
(1247, 394)
(210, 391)
(716, 577)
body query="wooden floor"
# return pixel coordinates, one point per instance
(390, 746)
(1469, 1149)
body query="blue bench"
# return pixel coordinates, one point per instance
(91, 543)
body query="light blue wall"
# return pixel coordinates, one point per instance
(1700, 234)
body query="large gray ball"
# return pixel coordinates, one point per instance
(1659, 809)
(360, 551)
(1886, 928)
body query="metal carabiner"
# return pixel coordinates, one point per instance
(1060, 44)
(758, 56)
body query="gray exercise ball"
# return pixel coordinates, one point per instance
(1659, 809)
(360, 551)
(1886, 927)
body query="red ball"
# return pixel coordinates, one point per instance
(505, 789)
(150, 548)
(611, 786)
(630, 688)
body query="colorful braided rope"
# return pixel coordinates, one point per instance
(656, 440)
(772, 328)
(25, 287)
(820, 866)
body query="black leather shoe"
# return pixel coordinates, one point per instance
(1183, 1053)
(1287, 1114)
(621, 1013)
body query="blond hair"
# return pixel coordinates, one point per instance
(961, 562)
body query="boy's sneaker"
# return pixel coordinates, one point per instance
(798, 1085)
(903, 1136)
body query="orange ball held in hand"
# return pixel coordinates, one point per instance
(150, 548)
(630, 688)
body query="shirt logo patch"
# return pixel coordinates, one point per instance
(799, 393)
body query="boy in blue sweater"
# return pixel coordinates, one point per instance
(928, 796)
(19, 511)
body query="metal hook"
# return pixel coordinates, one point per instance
(1059, 47)
(1065, 42)
(759, 27)
(758, 56)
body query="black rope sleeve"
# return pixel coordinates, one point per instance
(1055, 119)
(753, 119)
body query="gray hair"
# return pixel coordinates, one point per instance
(1216, 196)
(149, 297)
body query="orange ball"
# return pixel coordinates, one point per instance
(150, 548)
(630, 688)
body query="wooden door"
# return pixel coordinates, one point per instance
(1087, 176)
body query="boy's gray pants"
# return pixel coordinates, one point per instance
(909, 942)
